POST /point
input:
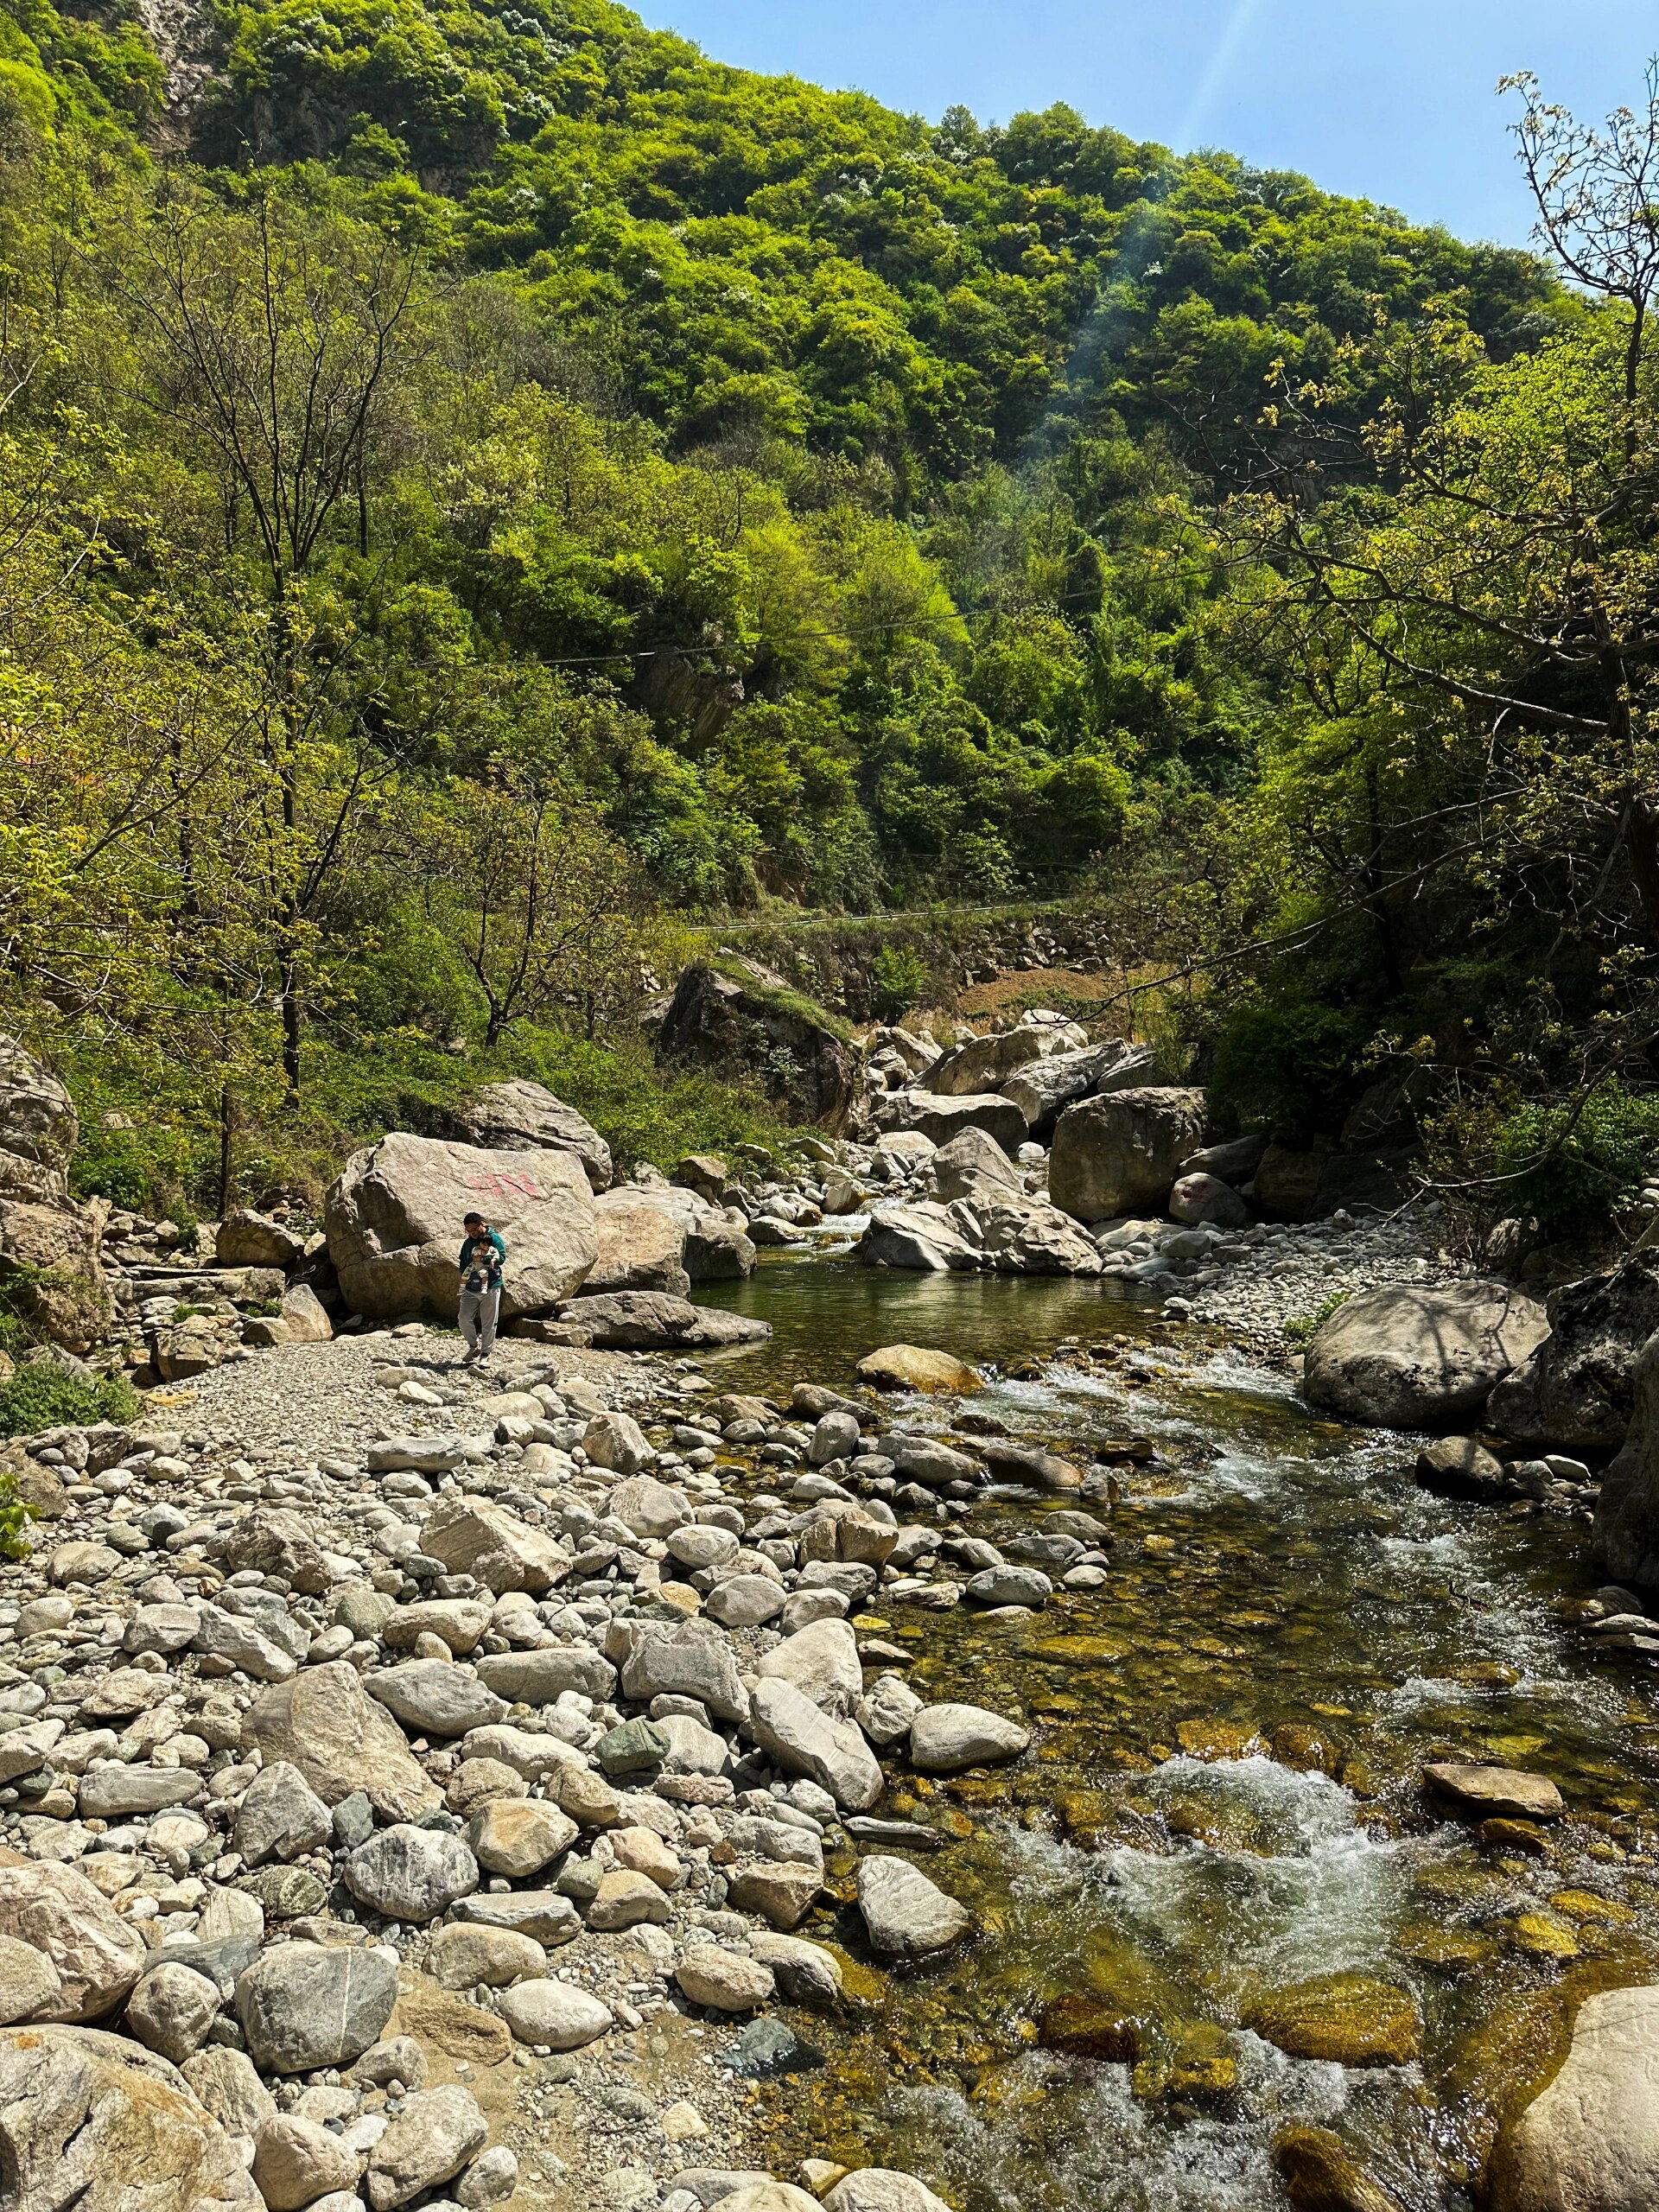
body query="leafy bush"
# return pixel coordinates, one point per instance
(1285, 1063)
(45, 1397)
(1301, 1329)
(1572, 1168)
(898, 978)
(14, 1520)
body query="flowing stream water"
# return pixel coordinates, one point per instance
(1222, 1801)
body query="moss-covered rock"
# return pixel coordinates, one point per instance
(735, 1015)
(1079, 2025)
(1351, 2017)
(1320, 2174)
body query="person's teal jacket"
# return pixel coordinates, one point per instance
(482, 1256)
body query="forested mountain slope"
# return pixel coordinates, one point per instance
(484, 448)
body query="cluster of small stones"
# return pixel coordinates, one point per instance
(539, 1695)
(1258, 1278)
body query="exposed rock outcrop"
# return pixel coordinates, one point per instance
(741, 1016)
(49, 1246)
(1576, 1390)
(1119, 1154)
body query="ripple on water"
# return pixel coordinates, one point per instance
(1276, 1572)
(1316, 1893)
(1071, 2138)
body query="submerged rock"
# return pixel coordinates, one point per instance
(1320, 2174)
(1352, 2018)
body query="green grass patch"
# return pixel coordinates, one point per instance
(45, 1397)
(783, 998)
(1301, 1329)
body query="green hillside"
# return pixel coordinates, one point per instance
(462, 434)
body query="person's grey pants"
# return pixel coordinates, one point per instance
(480, 1312)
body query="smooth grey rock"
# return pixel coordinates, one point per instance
(411, 1873)
(521, 1116)
(691, 1658)
(171, 2011)
(948, 1738)
(804, 1740)
(1590, 2141)
(904, 1913)
(822, 1662)
(305, 2005)
(280, 1816)
(111, 1792)
(555, 2012)
(1119, 1153)
(1408, 1358)
(428, 2141)
(550, 1918)
(541, 1677)
(1009, 1586)
(434, 1697)
(394, 1217)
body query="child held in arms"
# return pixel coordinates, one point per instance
(483, 1255)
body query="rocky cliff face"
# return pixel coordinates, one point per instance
(49, 1266)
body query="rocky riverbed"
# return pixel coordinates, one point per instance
(443, 1788)
(679, 1765)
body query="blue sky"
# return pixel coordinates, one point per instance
(1387, 99)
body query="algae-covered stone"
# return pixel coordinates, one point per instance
(1320, 2174)
(915, 1367)
(1082, 2026)
(1352, 2018)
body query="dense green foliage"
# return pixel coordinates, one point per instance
(41, 1397)
(511, 482)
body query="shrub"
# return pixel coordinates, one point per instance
(1301, 1329)
(14, 1520)
(1285, 1063)
(1572, 1168)
(898, 978)
(45, 1397)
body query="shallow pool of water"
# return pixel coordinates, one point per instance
(1222, 1801)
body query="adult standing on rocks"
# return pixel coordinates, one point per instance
(483, 1255)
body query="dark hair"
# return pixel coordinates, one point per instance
(466, 1219)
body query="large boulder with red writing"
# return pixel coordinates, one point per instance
(394, 1221)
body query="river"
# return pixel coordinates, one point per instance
(1222, 1803)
